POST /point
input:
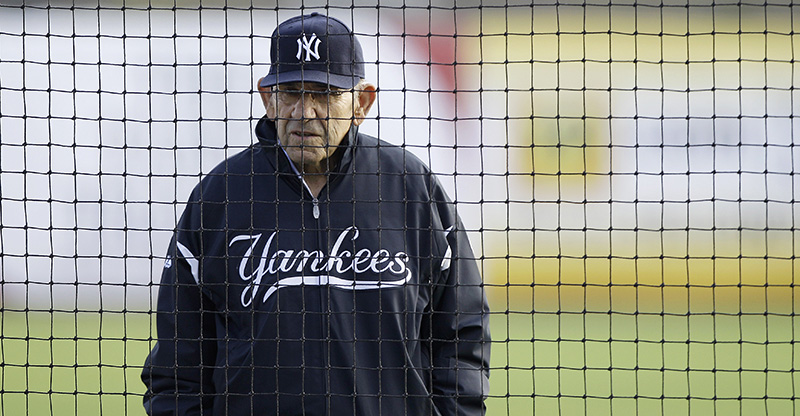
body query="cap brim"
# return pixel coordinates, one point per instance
(334, 80)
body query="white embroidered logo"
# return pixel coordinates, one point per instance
(313, 268)
(305, 44)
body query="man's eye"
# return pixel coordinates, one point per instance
(317, 95)
(326, 93)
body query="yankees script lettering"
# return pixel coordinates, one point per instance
(311, 263)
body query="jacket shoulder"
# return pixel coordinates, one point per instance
(217, 183)
(402, 173)
(392, 158)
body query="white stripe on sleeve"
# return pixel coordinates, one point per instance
(449, 253)
(190, 258)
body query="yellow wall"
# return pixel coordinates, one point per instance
(585, 91)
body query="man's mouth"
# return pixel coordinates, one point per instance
(305, 134)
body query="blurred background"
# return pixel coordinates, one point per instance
(626, 171)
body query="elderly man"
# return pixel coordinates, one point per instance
(321, 271)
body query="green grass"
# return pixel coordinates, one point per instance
(73, 364)
(628, 364)
(544, 364)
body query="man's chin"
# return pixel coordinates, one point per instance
(306, 157)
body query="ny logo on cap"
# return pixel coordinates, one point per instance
(306, 44)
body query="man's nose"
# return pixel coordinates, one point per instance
(304, 107)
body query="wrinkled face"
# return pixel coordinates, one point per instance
(312, 119)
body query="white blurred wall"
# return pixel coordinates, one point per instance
(109, 117)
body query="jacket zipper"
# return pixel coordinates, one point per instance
(315, 211)
(314, 199)
(325, 320)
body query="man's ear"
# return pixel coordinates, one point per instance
(365, 97)
(267, 98)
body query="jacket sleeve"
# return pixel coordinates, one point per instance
(177, 373)
(460, 339)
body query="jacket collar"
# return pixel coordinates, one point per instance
(267, 136)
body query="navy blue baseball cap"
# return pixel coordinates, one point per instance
(315, 48)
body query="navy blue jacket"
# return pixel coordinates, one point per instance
(365, 300)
